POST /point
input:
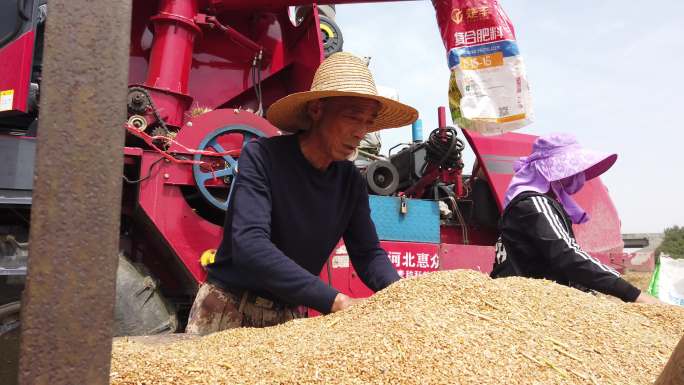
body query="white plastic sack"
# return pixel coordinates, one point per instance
(488, 89)
(668, 281)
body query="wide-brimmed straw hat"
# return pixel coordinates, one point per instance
(560, 156)
(341, 74)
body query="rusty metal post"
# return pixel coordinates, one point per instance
(68, 303)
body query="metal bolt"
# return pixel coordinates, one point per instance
(138, 122)
(167, 176)
(189, 124)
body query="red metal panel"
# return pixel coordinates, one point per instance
(409, 258)
(186, 233)
(15, 73)
(412, 259)
(481, 258)
(476, 236)
(220, 71)
(496, 154)
(133, 151)
(602, 232)
(453, 256)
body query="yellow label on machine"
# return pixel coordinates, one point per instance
(6, 100)
(504, 119)
(482, 61)
(208, 257)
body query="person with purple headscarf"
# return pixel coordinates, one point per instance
(537, 240)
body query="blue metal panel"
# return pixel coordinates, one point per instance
(419, 224)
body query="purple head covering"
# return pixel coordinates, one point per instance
(560, 164)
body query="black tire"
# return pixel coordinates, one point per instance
(140, 310)
(140, 307)
(331, 36)
(9, 343)
(327, 11)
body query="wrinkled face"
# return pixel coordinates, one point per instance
(341, 123)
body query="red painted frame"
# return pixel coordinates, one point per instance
(15, 71)
(188, 64)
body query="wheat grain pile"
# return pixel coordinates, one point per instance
(639, 279)
(458, 327)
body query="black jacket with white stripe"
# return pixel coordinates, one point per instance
(537, 241)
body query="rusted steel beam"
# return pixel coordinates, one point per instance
(68, 303)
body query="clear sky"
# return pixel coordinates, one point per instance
(611, 72)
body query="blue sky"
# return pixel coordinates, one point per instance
(610, 72)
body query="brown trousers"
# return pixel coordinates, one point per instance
(215, 309)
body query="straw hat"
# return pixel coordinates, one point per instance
(341, 74)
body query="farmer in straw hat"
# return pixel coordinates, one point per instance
(294, 197)
(537, 240)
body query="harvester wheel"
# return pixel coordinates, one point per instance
(140, 307)
(327, 11)
(9, 342)
(140, 310)
(231, 137)
(331, 36)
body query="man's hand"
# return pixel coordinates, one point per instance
(646, 298)
(343, 301)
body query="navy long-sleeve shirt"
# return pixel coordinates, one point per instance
(284, 219)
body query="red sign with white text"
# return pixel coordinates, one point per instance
(408, 258)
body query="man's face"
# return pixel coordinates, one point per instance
(342, 123)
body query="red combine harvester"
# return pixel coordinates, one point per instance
(202, 73)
